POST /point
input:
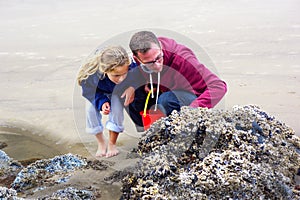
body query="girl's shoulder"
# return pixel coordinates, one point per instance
(95, 78)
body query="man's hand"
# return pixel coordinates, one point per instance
(129, 96)
(105, 108)
(147, 88)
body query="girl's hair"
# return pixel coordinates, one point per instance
(104, 61)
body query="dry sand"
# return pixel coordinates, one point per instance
(254, 45)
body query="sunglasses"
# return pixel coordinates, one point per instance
(151, 63)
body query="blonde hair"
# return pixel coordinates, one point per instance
(104, 61)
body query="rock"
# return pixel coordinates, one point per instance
(71, 193)
(6, 193)
(45, 174)
(2, 145)
(202, 153)
(47, 171)
(9, 168)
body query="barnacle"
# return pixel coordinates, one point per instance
(243, 153)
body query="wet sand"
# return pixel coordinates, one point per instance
(254, 45)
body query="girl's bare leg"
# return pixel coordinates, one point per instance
(111, 147)
(101, 151)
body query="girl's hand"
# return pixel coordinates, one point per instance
(129, 96)
(105, 108)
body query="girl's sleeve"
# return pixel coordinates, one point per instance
(91, 93)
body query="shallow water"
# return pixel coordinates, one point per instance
(24, 144)
(30, 144)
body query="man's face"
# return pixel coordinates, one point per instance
(152, 59)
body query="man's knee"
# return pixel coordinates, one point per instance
(169, 102)
(165, 98)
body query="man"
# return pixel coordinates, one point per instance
(179, 78)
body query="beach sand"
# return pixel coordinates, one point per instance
(254, 46)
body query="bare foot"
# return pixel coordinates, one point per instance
(111, 147)
(111, 151)
(101, 151)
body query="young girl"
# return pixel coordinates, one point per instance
(98, 78)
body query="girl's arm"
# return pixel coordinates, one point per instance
(91, 92)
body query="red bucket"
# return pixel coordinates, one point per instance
(150, 117)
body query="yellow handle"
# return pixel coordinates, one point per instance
(146, 103)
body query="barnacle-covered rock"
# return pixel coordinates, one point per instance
(200, 153)
(6, 193)
(9, 168)
(71, 193)
(43, 170)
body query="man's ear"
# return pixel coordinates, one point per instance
(136, 58)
